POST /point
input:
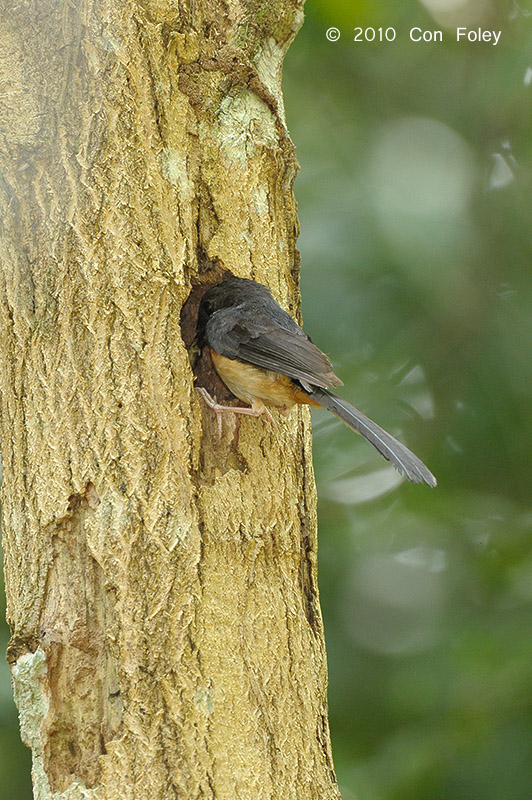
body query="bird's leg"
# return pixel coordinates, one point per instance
(256, 409)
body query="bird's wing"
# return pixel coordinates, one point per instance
(278, 345)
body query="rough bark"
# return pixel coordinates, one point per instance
(161, 581)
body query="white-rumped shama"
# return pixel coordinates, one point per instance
(266, 359)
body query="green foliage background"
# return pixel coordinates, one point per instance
(415, 206)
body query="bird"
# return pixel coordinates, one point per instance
(267, 360)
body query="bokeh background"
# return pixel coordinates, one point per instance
(415, 204)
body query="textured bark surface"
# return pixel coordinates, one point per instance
(161, 581)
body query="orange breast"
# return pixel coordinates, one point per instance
(248, 383)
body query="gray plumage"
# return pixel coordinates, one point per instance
(394, 451)
(240, 320)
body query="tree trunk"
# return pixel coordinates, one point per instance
(161, 579)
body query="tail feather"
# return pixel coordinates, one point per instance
(395, 452)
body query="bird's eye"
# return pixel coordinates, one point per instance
(208, 306)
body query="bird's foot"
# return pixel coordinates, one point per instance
(256, 409)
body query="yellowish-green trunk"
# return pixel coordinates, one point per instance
(161, 581)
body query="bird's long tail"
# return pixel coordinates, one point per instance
(399, 455)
